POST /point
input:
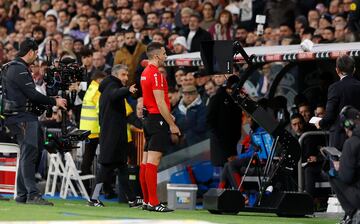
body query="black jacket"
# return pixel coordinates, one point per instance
(224, 121)
(349, 171)
(20, 88)
(340, 94)
(200, 35)
(112, 118)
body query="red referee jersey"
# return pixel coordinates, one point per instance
(152, 79)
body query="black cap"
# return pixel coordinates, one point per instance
(27, 45)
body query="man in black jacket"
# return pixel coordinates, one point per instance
(340, 94)
(196, 35)
(113, 135)
(19, 98)
(224, 121)
(346, 183)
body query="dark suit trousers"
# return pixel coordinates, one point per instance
(348, 195)
(337, 139)
(105, 173)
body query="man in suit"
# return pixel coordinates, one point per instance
(195, 34)
(340, 94)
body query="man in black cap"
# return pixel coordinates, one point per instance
(19, 99)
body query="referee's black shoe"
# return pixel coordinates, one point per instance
(159, 208)
(136, 203)
(95, 203)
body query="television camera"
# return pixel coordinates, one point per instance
(62, 76)
(56, 141)
(59, 77)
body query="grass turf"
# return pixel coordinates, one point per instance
(78, 210)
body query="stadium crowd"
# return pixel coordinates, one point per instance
(101, 34)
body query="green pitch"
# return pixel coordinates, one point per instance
(78, 210)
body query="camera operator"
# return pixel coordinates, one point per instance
(346, 183)
(19, 96)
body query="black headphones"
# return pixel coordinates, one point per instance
(347, 116)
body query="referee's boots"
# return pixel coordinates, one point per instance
(95, 203)
(159, 208)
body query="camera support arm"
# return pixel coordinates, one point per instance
(289, 147)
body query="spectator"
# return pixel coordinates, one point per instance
(152, 19)
(339, 20)
(185, 20)
(200, 80)
(339, 34)
(310, 152)
(78, 47)
(222, 29)
(51, 28)
(174, 98)
(137, 22)
(241, 35)
(39, 34)
(180, 46)
(334, 7)
(328, 34)
(307, 33)
(49, 53)
(208, 13)
(219, 79)
(130, 54)
(300, 23)
(178, 74)
(286, 31)
(304, 110)
(124, 19)
(94, 32)
(82, 31)
(111, 47)
(190, 116)
(210, 89)
(313, 18)
(320, 111)
(99, 63)
(189, 80)
(87, 61)
(325, 21)
(195, 35)
(168, 18)
(105, 27)
(67, 46)
(64, 19)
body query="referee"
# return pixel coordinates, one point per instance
(158, 121)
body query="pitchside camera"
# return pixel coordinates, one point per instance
(56, 141)
(62, 76)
